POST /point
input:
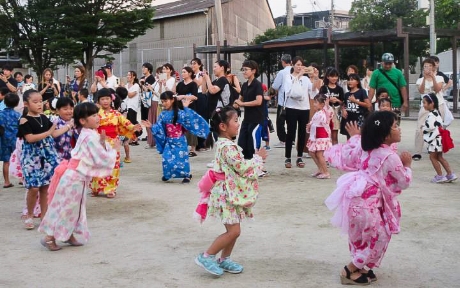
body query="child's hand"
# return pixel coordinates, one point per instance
(406, 159)
(344, 114)
(102, 138)
(117, 144)
(53, 127)
(186, 101)
(262, 153)
(70, 123)
(146, 124)
(308, 127)
(137, 127)
(352, 128)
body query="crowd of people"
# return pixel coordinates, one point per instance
(61, 142)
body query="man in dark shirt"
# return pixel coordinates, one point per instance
(7, 80)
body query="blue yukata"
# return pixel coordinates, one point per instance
(172, 143)
(9, 120)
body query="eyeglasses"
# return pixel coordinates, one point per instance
(244, 69)
(193, 63)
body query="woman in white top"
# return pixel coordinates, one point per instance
(429, 83)
(133, 100)
(298, 92)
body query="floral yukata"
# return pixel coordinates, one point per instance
(320, 131)
(114, 124)
(232, 199)
(172, 143)
(365, 199)
(63, 143)
(66, 214)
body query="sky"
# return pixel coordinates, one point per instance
(279, 6)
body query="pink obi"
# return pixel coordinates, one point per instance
(71, 164)
(174, 131)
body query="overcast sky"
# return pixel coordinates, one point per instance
(279, 6)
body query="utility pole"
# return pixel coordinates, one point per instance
(289, 13)
(220, 23)
(432, 30)
(332, 14)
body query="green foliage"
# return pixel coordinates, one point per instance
(268, 62)
(380, 15)
(49, 33)
(446, 17)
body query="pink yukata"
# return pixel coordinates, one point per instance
(66, 214)
(365, 198)
(320, 123)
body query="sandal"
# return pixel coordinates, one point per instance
(323, 176)
(50, 245)
(111, 195)
(192, 154)
(73, 242)
(29, 223)
(346, 279)
(127, 160)
(315, 174)
(300, 163)
(369, 274)
(287, 163)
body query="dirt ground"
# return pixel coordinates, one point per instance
(146, 237)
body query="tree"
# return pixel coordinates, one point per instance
(381, 15)
(29, 33)
(49, 33)
(100, 28)
(268, 62)
(446, 17)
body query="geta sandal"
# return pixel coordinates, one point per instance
(346, 279)
(315, 174)
(323, 176)
(369, 274)
(192, 154)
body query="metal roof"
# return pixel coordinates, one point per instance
(183, 7)
(312, 34)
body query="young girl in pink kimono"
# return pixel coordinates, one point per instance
(91, 157)
(365, 198)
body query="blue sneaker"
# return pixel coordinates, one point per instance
(209, 264)
(231, 267)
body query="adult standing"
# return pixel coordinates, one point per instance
(251, 98)
(187, 89)
(219, 89)
(298, 92)
(47, 88)
(154, 109)
(393, 80)
(280, 113)
(428, 83)
(7, 80)
(202, 101)
(148, 97)
(112, 81)
(78, 82)
(100, 82)
(132, 102)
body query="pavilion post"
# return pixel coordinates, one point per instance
(454, 73)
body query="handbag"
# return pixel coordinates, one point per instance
(271, 128)
(297, 91)
(446, 141)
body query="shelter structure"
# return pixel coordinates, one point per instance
(326, 39)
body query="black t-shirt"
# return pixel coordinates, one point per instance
(11, 80)
(34, 125)
(222, 95)
(150, 79)
(354, 108)
(49, 93)
(188, 89)
(336, 92)
(253, 114)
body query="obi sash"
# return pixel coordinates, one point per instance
(174, 131)
(110, 130)
(71, 164)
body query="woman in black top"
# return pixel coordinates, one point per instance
(251, 99)
(188, 89)
(47, 88)
(356, 104)
(336, 97)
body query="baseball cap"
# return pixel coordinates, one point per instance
(388, 58)
(107, 66)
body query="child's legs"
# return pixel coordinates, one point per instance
(43, 199)
(126, 147)
(226, 241)
(435, 162)
(315, 159)
(335, 137)
(31, 200)
(6, 173)
(322, 162)
(444, 163)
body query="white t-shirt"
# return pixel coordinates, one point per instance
(112, 82)
(299, 104)
(133, 102)
(429, 88)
